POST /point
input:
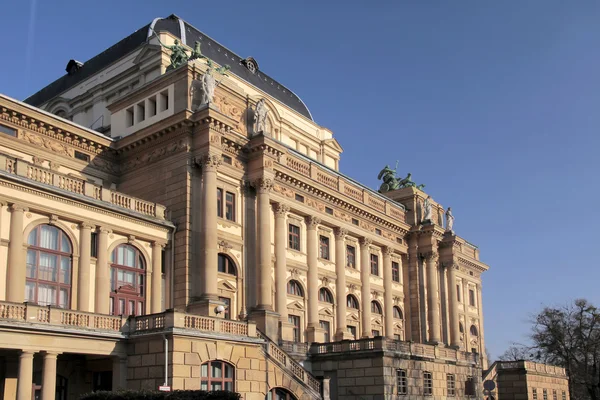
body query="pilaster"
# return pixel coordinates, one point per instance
(365, 292)
(312, 245)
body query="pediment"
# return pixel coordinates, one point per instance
(147, 52)
(335, 144)
(224, 285)
(353, 317)
(326, 311)
(296, 305)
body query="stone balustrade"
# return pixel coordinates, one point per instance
(79, 186)
(405, 348)
(531, 366)
(175, 319)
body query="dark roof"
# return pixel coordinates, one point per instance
(209, 47)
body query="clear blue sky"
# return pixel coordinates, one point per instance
(492, 104)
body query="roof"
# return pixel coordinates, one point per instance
(188, 35)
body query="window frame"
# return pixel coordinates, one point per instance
(374, 258)
(293, 237)
(472, 301)
(327, 296)
(326, 326)
(534, 392)
(295, 286)
(354, 300)
(350, 256)
(296, 327)
(395, 271)
(397, 313)
(401, 382)
(230, 267)
(229, 206)
(545, 394)
(219, 202)
(427, 383)
(376, 308)
(554, 394)
(450, 385)
(352, 330)
(458, 296)
(209, 379)
(324, 247)
(473, 331)
(139, 296)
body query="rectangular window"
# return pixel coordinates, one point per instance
(227, 159)
(458, 297)
(451, 385)
(299, 198)
(471, 297)
(294, 237)
(94, 245)
(352, 330)
(220, 203)
(129, 117)
(470, 386)
(164, 101)
(295, 321)
(327, 334)
(140, 112)
(554, 395)
(82, 156)
(374, 264)
(227, 312)
(397, 337)
(395, 271)
(427, 384)
(564, 395)
(378, 231)
(401, 382)
(329, 210)
(375, 333)
(324, 247)
(8, 131)
(398, 240)
(230, 206)
(354, 221)
(152, 106)
(350, 257)
(545, 394)
(535, 394)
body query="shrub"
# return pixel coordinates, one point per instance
(155, 395)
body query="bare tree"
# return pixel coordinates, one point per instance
(518, 352)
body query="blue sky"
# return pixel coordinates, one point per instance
(492, 104)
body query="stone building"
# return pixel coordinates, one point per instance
(155, 211)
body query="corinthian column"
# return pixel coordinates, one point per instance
(313, 276)
(263, 187)
(83, 278)
(365, 290)
(340, 283)
(207, 279)
(433, 297)
(281, 211)
(453, 307)
(387, 295)
(102, 274)
(15, 278)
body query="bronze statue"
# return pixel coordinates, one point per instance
(178, 52)
(392, 182)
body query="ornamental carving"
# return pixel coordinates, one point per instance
(295, 273)
(365, 241)
(315, 204)
(233, 111)
(53, 219)
(263, 185)
(375, 294)
(342, 216)
(431, 256)
(312, 221)
(397, 300)
(51, 145)
(209, 162)
(340, 233)
(105, 165)
(387, 251)
(352, 288)
(281, 210)
(224, 245)
(37, 161)
(285, 191)
(325, 281)
(153, 155)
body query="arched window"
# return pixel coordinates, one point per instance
(279, 394)
(351, 302)
(461, 328)
(48, 269)
(127, 281)
(226, 265)
(375, 308)
(325, 296)
(61, 113)
(473, 330)
(397, 312)
(216, 375)
(294, 288)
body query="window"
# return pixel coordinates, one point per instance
(351, 302)
(470, 386)
(535, 394)
(129, 117)
(374, 264)
(216, 375)
(299, 198)
(398, 239)
(397, 336)
(279, 394)
(395, 271)
(294, 237)
(354, 221)
(451, 385)
(226, 159)
(82, 156)
(564, 395)
(324, 247)
(327, 334)
(127, 281)
(329, 210)
(401, 382)
(294, 288)
(545, 394)
(458, 298)
(220, 203)
(295, 321)
(378, 231)
(554, 396)
(325, 296)
(351, 257)
(8, 131)
(375, 308)
(352, 330)
(397, 312)
(94, 245)
(427, 384)
(226, 266)
(375, 333)
(473, 330)
(227, 305)
(48, 269)
(229, 206)
(471, 297)
(163, 101)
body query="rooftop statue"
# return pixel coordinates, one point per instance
(260, 116)
(449, 220)
(392, 182)
(202, 91)
(178, 52)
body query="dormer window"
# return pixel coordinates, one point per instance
(73, 66)
(251, 64)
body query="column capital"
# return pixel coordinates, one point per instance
(430, 256)
(340, 233)
(312, 222)
(365, 242)
(17, 207)
(263, 185)
(51, 354)
(387, 251)
(86, 225)
(159, 244)
(209, 162)
(104, 230)
(26, 353)
(280, 210)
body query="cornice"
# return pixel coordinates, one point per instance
(477, 266)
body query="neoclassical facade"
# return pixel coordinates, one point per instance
(149, 208)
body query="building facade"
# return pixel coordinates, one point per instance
(154, 206)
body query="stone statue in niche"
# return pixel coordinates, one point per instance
(449, 220)
(427, 210)
(202, 92)
(260, 116)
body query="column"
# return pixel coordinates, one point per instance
(388, 298)
(83, 278)
(119, 373)
(312, 247)
(25, 380)
(156, 285)
(281, 211)
(263, 187)
(49, 377)
(15, 291)
(453, 307)
(102, 274)
(365, 291)
(484, 360)
(208, 263)
(433, 297)
(406, 290)
(340, 282)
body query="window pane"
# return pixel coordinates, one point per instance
(228, 371)
(63, 298)
(216, 370)
(229, 386)
(49, 237)
(204, 370)
(64, 244)
(46, 295)
(31, 269)
(65, 270)
(30, 292)
(216, 386)
(204, 386)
